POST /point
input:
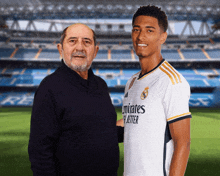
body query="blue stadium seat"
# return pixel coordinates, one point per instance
(37, 81)
(186, 72)
(4, 81)
(205, 71)
(214, 82)
(170, 54)
(40, 72)
(123, 82)
(110, 71)
(200, 99)
(3, 39)
(216, 40)
(197, 83)
(108, 43)
(193, 54)
(111, 82)
(177, 42)
(36, 71)
(52, 70)
(49, 54)
(120, 54)
(1, 69)
(188, 77)
(24, 79)
(20, 41)
(6, 52)
(13, 71)
(102, 54)
(130, 72)
(213, 53)
(206, 41)
(24, 53)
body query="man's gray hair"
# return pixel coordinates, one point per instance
(63, 35)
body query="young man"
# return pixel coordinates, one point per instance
(155, 108)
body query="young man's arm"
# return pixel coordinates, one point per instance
(180, 133)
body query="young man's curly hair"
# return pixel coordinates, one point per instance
(155, 12)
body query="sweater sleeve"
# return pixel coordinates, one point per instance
(44, 134)
(120, 133)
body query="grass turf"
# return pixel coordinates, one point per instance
(204, 155)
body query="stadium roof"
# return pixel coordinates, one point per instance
(112, 2)
(202, 10)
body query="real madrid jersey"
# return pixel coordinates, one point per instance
(151, 103)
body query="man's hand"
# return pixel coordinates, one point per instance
(120, 123)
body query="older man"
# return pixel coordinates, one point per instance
(73, 122)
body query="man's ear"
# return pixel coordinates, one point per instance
(96, 50)
(60, 48)
(163, 38)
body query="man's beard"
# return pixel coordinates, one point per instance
(81, 68)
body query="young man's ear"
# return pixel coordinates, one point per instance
(163, 38)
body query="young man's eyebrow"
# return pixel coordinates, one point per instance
(150, 27)
(145, 26)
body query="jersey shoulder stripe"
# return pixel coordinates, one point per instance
(179, 117)
(170, 72)
(178, 75)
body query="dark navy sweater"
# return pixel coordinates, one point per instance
(73, 127)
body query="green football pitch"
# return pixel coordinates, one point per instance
(204, 157)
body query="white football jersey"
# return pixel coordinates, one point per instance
(151, 103)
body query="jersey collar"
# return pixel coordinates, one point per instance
(141, 76)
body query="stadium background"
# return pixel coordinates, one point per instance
(30, 30)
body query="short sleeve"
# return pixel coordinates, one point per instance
(176, 102)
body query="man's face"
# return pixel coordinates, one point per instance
(78, 49)
(147, 36)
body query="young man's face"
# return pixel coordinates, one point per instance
(147, 36)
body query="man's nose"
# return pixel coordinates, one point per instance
(79, 46)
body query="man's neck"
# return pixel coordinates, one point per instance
(149, 63)
(83, 74)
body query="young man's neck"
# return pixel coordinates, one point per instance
(149, 63)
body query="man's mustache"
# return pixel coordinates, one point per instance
(79, 53)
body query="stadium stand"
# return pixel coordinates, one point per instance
(120, 54)
(27, 56)
(6, 52)
(193, 54)
(171, 54)
(50, 54)
(213, 53)
(24, 53)
(102, 54)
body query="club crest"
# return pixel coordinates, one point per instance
(144, 94)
